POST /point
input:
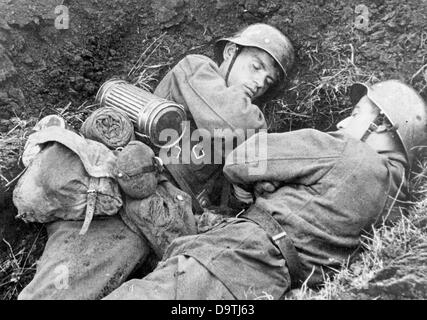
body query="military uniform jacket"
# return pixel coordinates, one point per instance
(333, 189)
(195, 83)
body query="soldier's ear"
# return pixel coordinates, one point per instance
(229, 50)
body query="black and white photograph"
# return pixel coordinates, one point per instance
(213, 153)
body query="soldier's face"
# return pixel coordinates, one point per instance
(254, 70)
(358, 122)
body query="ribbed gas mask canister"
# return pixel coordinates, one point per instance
(149, 113)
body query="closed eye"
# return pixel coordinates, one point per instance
(256, 66)
(355, 111)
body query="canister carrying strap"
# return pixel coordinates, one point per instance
(266, 221)
(180, 180)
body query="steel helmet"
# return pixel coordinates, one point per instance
(403, 107)
(264, 37)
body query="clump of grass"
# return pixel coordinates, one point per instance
(317, 96)
(143, 74)
(387, 244)
(75, 117)
(11, 147)
(18, 266)
(145, 78)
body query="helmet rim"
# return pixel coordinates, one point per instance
(250, 36)
(407, 128)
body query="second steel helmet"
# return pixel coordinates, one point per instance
(403, 107)
(264, 37)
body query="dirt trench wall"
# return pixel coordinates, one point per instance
(47, 69)
(43, 67)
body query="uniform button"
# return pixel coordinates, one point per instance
(179, 197)
(120, 175)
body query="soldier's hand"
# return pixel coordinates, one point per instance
(246, 90)
(263, 187)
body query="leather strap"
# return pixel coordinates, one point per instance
(182, 183)
(279, 237)
(373, 126)
(233, 59)
(157, 166)
(90, 205)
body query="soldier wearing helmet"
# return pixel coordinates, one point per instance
(253, 62)
(401, 110)
(331, 188)
(259, 37)
(215, 97)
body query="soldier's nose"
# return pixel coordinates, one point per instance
(342, 124)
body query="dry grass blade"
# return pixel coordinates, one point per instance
(10, 183)
(16, 267)
(75, 116)
(142, 74)
(143, 57)
(144, 78)
(418, 72)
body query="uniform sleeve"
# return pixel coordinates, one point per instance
(300, 157)
(196, 83)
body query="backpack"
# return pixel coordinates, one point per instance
(72, 178)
